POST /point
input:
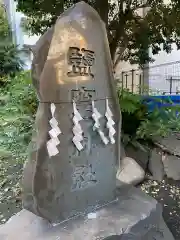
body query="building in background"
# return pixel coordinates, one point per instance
(20, 37)
(163, 74)
(125, 71)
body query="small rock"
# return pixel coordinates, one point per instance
(172, 167)
(141, 157)
(130, 172)
(156, 167)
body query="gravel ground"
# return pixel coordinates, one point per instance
(168, 194)
(10, 199)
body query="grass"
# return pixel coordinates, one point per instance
(17, 107)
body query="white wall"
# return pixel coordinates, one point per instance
(164, 57)
(163, 68)
(23, 38)
(20, 37)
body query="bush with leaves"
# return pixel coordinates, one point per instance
(10, 62)
(140, 123)
(160, 121)
(133, 111)
(4, 25)
(18, 104)
(17, 107)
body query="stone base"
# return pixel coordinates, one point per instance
(133, 216)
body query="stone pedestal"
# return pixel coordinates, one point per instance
(133, 216)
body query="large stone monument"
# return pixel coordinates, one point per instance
(69, 179)
(76, 146)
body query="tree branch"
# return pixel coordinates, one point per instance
(119, 57)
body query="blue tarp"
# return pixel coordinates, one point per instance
(161, 101)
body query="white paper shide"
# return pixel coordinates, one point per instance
(53, 133)
(77, 130)
(110, 123)
(96, 117)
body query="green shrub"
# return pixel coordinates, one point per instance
(139, 124)
(17, 106)
(4, 25)
(10, 61)
(159, 123)
(133, 111)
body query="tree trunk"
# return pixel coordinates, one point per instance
(102, 8)
(114, 44)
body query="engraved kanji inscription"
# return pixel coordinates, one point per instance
(82, 94)
(81, 61)
(83, 177)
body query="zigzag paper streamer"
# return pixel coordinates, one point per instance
(110, 123)
(96, 116)
(77, 130)
(54, 132)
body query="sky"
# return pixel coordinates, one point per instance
(163, 57)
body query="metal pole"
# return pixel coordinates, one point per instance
(126, 79)
(170, 82)
(132, 80)
(122, 77)
(140, 82)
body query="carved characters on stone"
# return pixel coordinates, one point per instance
(82, 94)
(83, 177)
(81, 61)
(53, 133)
(110, 123)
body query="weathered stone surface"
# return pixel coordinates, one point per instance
(123, 153)
(172, 166)
(141, 156)
(156, 167)
(72, 181)
(40, 53)
(130, 172)
(171, 144)
(122, 156)
(134, 216)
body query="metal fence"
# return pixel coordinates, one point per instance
(161, 79)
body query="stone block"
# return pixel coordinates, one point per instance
(133, 216)
(156, 167)
(130, 172)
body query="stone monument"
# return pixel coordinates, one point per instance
(69, 179)
(76, 147)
